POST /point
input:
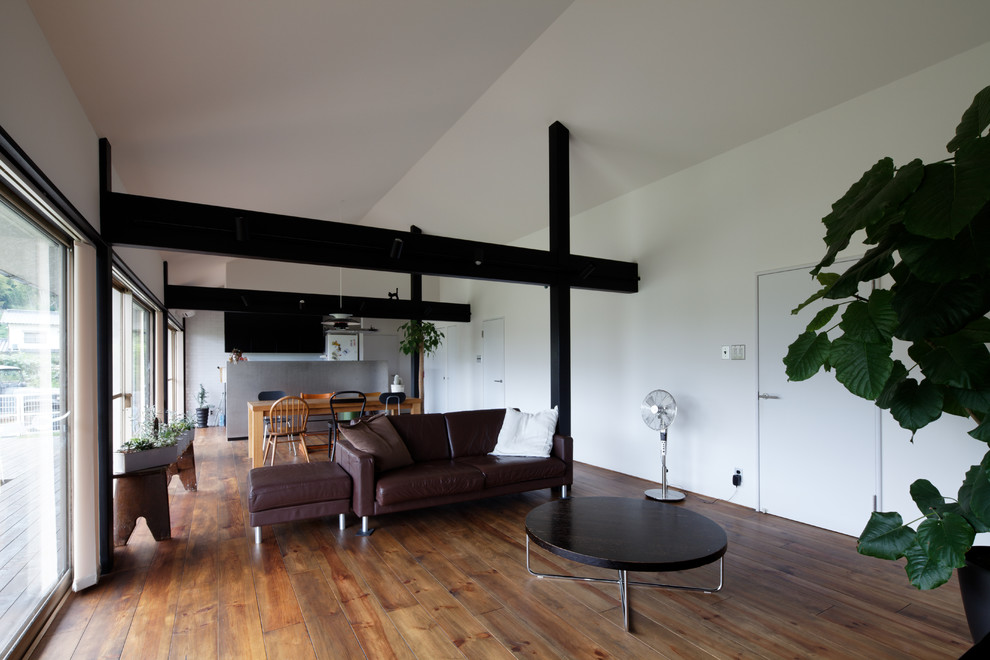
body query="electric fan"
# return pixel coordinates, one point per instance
(658, 410)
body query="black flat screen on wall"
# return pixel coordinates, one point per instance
(272, 333)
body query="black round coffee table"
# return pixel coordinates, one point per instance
(626, 535)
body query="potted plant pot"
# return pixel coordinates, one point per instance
(203, 410)
(146, 450)
(974, 585)
(142, 460)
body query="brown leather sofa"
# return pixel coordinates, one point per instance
(448, 461)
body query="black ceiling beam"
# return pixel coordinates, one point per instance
(279, 302)
(148, 222)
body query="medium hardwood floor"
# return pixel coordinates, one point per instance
(451, 582)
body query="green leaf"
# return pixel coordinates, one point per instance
(928, 310)
(977, 330)
(822, 318)
(974, 121)
(863, 367)
(929, 211)
(875, 264)
(949, 259)
(947, 539)
(923, 571)
(806, 355)
(977, 400)
(897, 375)
(885, 536)
(877, 214)
(826, 280)
(916, 405)
(873, 321)
(926, 496)
(950, 402)
(972, 181)
(958, 362)
(974, 496)
(982, 431)
(846, 217)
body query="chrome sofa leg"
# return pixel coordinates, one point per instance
(257, 534)
(563, 492)
(365, 530)
(343, 521)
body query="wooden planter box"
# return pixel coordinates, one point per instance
(142, 460)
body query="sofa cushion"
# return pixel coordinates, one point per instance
(378, 437)
(526, 434)
(502, 470)
(425, 436)
(425, 480)
(473, 432)
(294, 484)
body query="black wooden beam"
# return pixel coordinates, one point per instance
(560, 291)
(279, 302)
(147, 222)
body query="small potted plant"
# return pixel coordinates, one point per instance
(422, 338)
(202, 410)
(927, 228)
(155, 444)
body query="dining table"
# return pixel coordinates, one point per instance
(258, 410)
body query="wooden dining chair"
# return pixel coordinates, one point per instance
(337, 416)
(317, 435)
(288, 418)
(268, 395)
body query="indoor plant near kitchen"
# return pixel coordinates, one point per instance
(422, 338)
(927, 232)
(156, 443)
(202, 410)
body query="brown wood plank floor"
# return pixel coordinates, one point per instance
(451, 582)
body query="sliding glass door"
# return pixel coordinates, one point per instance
(34, 447)
(133, 361)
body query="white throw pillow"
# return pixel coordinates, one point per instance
(526, 434)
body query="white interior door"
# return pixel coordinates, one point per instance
(818, 443)
(435, 382)
(493, 362)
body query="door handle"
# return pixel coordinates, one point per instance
(498, 381)
(768, 396)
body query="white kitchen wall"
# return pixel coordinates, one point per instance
(700, 237)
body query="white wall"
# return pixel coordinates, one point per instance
(204, 354)
(700, 237)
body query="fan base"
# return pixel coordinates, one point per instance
(671, 496)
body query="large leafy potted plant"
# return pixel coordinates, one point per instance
(927, 232)
(156, 443)
(422, 338)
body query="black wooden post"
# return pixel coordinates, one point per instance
(104, 374)
(416, 295)
(560, 291)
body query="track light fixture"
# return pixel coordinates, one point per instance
(396, 250)
(242, 232)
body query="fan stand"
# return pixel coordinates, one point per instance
(664, 494)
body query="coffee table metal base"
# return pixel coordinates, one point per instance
(623, 582)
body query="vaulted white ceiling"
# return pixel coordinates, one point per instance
(435, 112)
